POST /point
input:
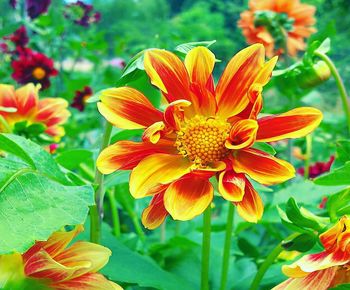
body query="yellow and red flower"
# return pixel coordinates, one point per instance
(23, 105)
(59, 267)
(203, 132)
(323, 270)
(278, 24)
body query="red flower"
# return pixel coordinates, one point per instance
(33, 67)
(318, 168)
(19, 37)
(81, 98)
(82, 14)
(37, 7)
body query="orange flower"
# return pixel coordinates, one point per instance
(203, 132)
(59, 267)
(323, 270)
(23, 105)
(275, 22)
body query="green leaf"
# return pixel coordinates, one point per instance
(126, 135)
(343, 150)
(301, 243)
(34, 155)
(35, 199)
(186, 47)
(341, 287)
(324, 47)
(71, 159)
(10, 28)
(338, 204)
(265, 147)
(339, 176)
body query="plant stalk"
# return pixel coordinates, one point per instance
(340, 85)
(206, 248)
(227, 247)
(96, 211)
(114, 212)
(308, 156)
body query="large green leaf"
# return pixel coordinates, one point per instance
(339, 176)
(35, 198)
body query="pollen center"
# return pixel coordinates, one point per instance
(202, 140)
(39, 73)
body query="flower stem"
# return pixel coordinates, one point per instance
(227, 247)
(206, 249)
(96, 211)
(268, 262)
(340, 85)
(308, 155)
(114, 212)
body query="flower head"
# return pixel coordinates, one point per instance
(60, 267)
(278, 24)
(33, 67)
(23, 113)
(13, 3)
(82, 13)
(323, 270)
(81, 97)
(204, 132)
(318, 168)
(37, 7)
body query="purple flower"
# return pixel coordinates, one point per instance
(13, 3)
(37, 7)
(82, 14)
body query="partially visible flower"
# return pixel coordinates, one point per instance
(82, 13)
(323, 270)
(19, 37)
(117, 62)
(13, 3)
(33, 67)
(52, 148)
(323, 203)
(81, 97)
(278, 24)
(23, 105)
(4, 47)
(204, 132)
(318, 168)
(59, 266)
(37, 7)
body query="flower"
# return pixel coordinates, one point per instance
(13, 3)
(323, 270)
(275, 22)
(33, 67)
(318, 168)
(82, 13)
(81, 97)
(37, 7)
(117, 62)
(203, 132)
(60, 267)
(23, 106)
(19, 38)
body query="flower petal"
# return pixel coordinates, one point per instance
(242, 134)
(251, 207)
(27, 99)
(320, 280)
(200, 63)
(52, 111)
(157, 169)
(188, 197)
(127, 108)
(7, 96)
(125, 155)
(292, 124)
(153, 133)
(168, 73)
(154, 215)
(231, 185)
(262, 167)
(174, 113)
(90, 281)
(239, 75)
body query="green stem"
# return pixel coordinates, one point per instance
(268, 262)
(136, 222)
(163, 232)
(227, 247)
(340, 85)
(96, 211)
(114, 212)
(308, 155)
(206, 249)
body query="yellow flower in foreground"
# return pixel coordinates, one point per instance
(59, 266)
(23, 104)
(203, 132)
(323, 270)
